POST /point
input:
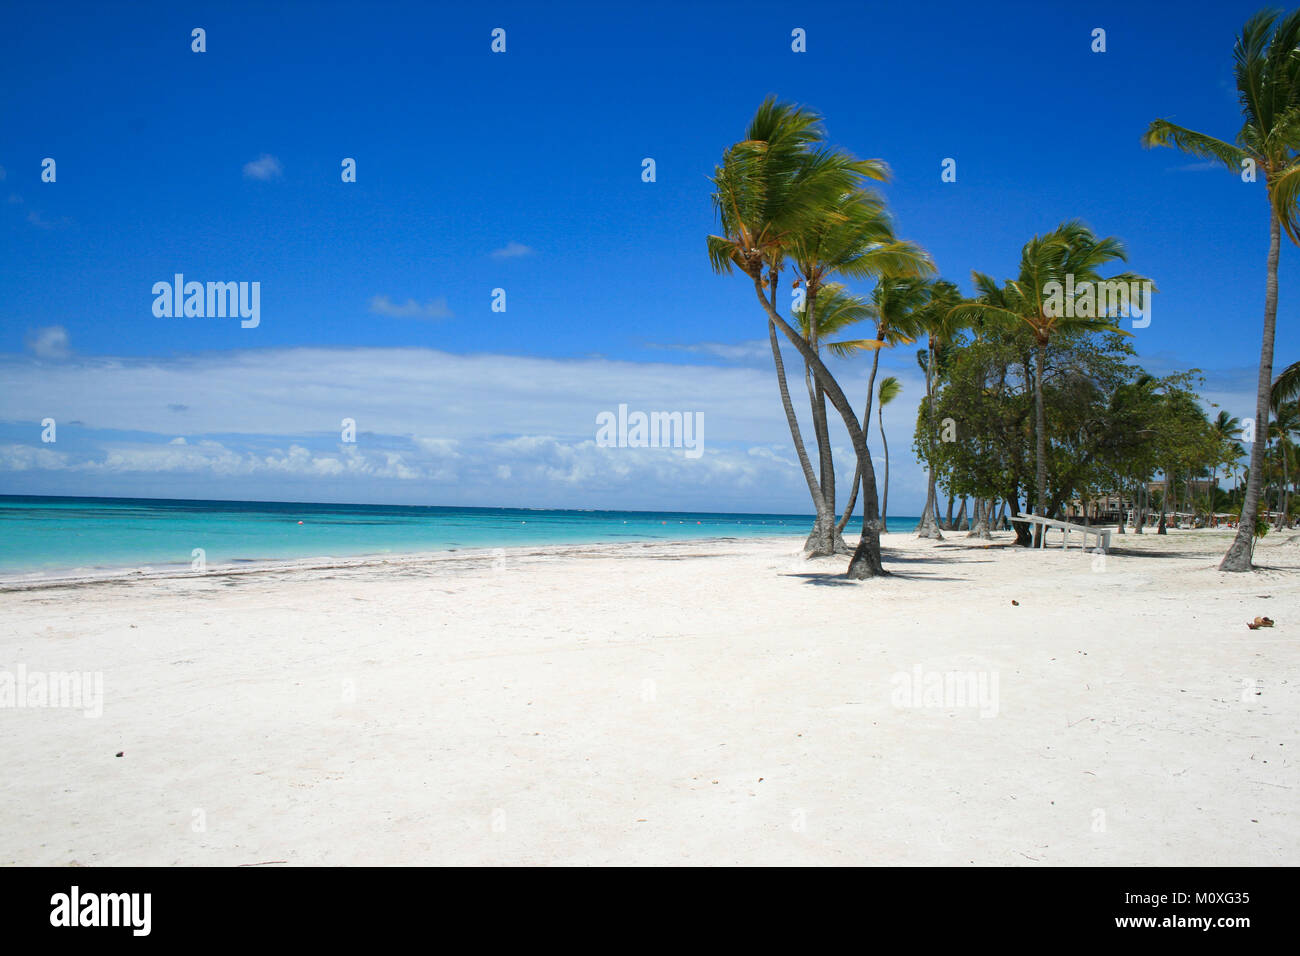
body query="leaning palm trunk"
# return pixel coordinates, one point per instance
(813, 487)
(865, 562)
(884, 501)
(824, 538)
(1238, 557)
(929, 526)
(866, 420)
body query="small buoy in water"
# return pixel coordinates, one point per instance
(300, 522)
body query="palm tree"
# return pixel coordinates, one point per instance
(889, 389)
(940, 323)
(895, 303)
(1286, 387)
(1052, 267)
(834, 310)
(1283, 429)
(772, 188)
(854, 239)
(1267, 70)
(1226, 431)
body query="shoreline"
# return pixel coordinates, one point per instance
(71, 577)
(372, 560)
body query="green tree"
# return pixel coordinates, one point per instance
(1055, 292)
(1267, 71)
(772, 188)
(889, 390)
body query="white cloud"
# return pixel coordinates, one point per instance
(410, 309)
(447, 428)
(512, 250)
(50, 342)
(264, 168)
(751, 351)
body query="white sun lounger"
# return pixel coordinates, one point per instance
(1101, 534)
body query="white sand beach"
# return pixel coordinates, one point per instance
(710, 702)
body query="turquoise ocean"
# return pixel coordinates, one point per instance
(45, 534)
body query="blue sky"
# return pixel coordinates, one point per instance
(522, 171)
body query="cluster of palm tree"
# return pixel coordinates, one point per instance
(786, 200)
(1267, 70)
(1068, 258)
(1280, 461)
(793, 207)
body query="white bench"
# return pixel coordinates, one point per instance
(1101, 534)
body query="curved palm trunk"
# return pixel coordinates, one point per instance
(866, 421)
(824, 538)
(865, 562)
(884, 501)
(813, 488)
(929, 526)
(1040, 426)
(1238, 557)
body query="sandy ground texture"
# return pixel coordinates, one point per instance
(712, 702)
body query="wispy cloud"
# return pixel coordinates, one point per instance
(50, 342)
(265, 167)
(464, 429)
(750, 351)
(512, 250)
(410, 309)
(1205, 165)
(38, 220)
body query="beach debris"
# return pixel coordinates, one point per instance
(120, 753)
(1015, 603)
(1259, 622)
